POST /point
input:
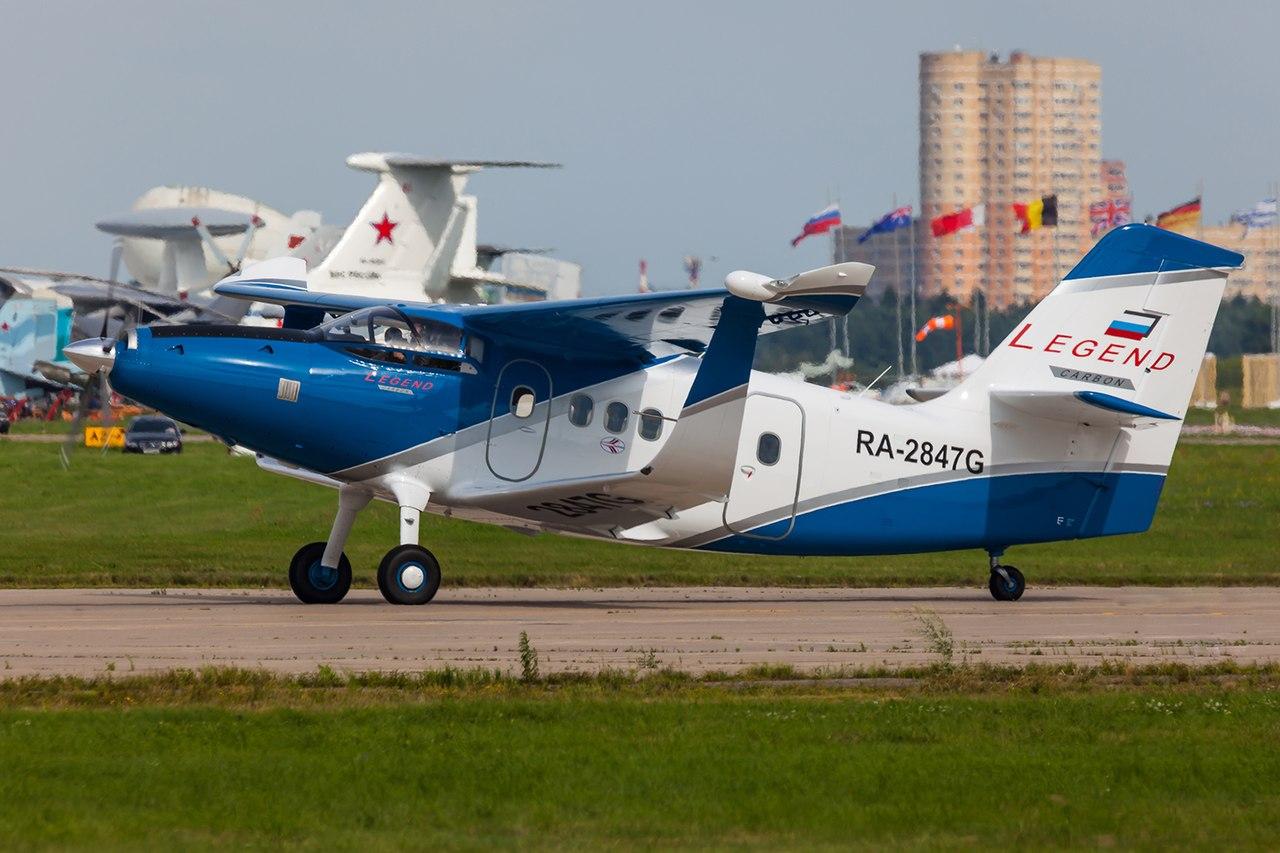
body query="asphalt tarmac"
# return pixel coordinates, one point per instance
(91, 632)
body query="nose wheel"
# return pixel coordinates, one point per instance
(315, 583)
(409, 574)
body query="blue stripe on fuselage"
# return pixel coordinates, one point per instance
(350, 410)
(978, 512)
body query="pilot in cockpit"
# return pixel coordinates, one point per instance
(395, 338)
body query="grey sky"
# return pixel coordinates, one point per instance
(713, 128)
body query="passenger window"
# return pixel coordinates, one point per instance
(580, 409)
(651, 424)
(615, 416)
(522, 401)
(768, 449)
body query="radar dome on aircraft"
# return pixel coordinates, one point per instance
(226, 216)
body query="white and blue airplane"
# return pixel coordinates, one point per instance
(638, 418)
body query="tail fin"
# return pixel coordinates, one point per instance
(1088, 392)
(1121, 337)
(405, 238)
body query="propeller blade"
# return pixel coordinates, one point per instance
(104, 406)
(207, 239)
(77, 427)
(117, 250)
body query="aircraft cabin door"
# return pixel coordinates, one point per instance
(518, 421)
(766, 478)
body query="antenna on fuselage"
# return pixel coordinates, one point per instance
(874, 381)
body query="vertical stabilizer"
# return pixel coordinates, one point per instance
(407, 239)
(1131, 321)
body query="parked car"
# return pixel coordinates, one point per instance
(153, 434)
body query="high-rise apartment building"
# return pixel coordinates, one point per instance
(999, 133)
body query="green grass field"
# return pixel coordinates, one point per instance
(467, 762)
(203, 519)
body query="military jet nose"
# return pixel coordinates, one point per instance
(92, 355)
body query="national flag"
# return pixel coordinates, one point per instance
(1262, 215)
(820, 223)
(936, 324)
(1183, 217)
(1109, 213)
(891, 221)
(949, 223)
(1133, 325)
(1041, 213)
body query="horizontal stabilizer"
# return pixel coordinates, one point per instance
(1091, 408)
(385, 162)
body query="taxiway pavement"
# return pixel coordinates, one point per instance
(90, 632)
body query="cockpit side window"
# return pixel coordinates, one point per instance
(439, 337)
(387, 327)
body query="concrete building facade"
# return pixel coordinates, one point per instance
(997, 133)
(889, 253)
(1260, 276)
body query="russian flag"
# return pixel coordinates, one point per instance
(820, 223)
(1133, 325)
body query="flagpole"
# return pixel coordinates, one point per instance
(840, 256)
(911, 329)
(897, 254)
(1274, 292)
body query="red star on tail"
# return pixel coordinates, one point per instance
(384, 229)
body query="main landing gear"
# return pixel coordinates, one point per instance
(1007, 583)
(409, 574)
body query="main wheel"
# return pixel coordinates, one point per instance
(1007, 589)
(314, 583)
(409, 575)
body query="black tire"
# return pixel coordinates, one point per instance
(315, 584)
(1010, 589)
(398, 580)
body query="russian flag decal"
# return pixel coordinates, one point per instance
(1133, 325)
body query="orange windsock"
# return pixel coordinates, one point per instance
(936, 324)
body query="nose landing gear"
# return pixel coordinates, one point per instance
(409, 574)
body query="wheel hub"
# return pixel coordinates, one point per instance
(412, 577)
(322, 577)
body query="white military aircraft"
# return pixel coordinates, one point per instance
(414, 238)
(638, 418)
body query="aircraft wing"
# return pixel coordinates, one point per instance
(625, 327)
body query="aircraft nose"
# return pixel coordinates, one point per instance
(92, 355)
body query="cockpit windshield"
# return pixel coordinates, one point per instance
(387, 327)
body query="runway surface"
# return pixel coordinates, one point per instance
(89, 632)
